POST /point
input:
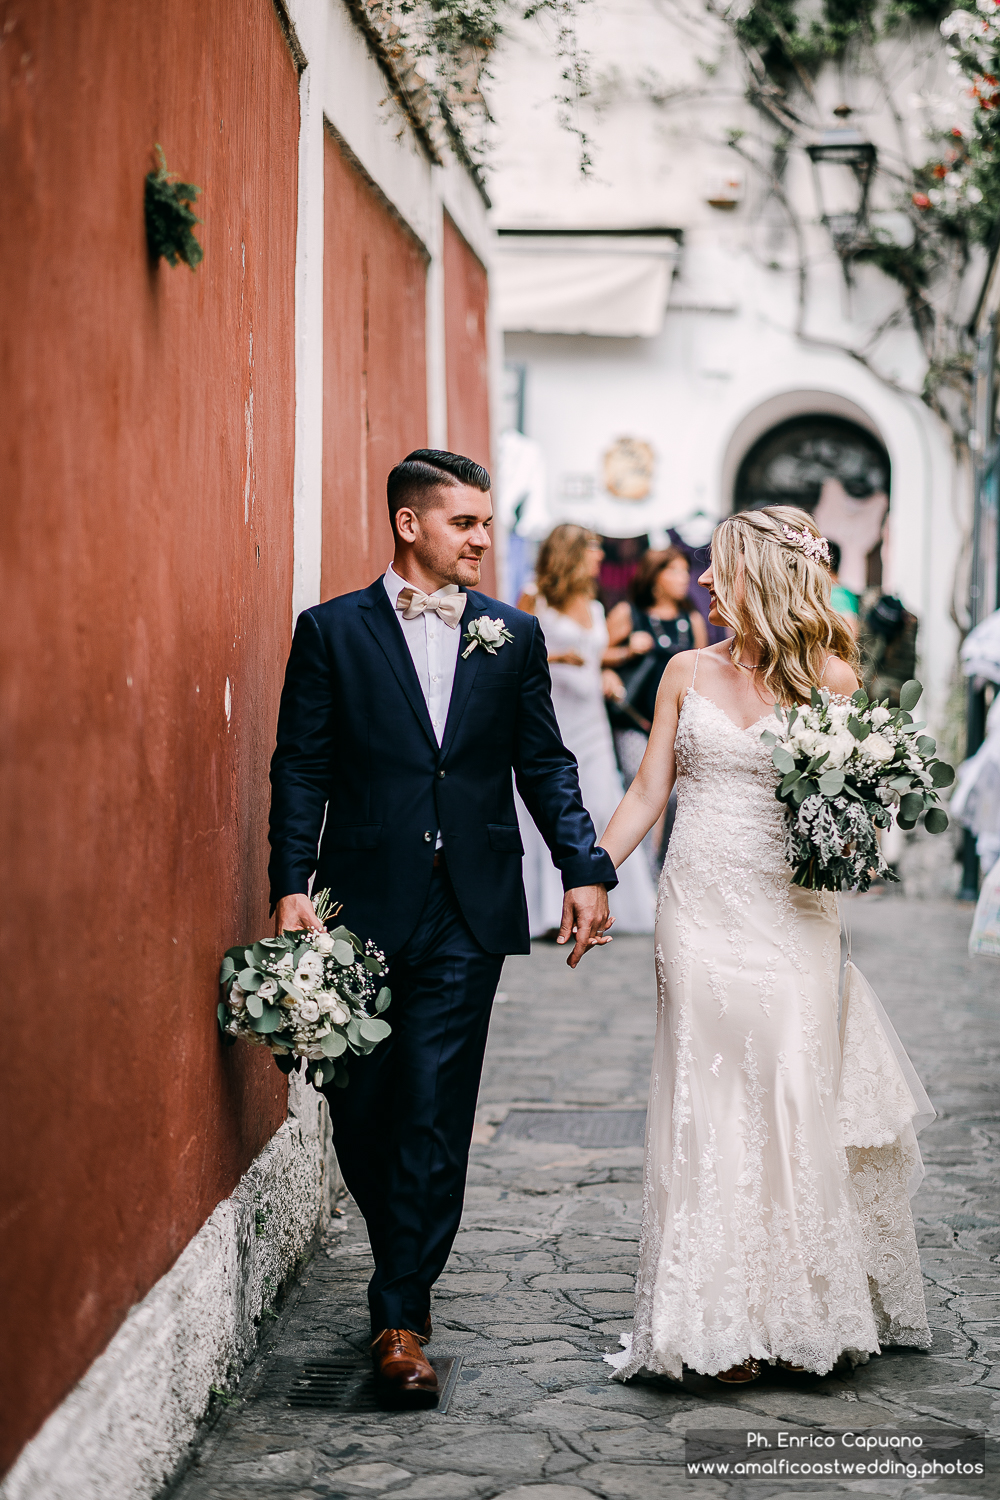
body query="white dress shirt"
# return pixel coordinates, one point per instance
(433, 645)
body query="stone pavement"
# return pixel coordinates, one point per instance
(540, 1281)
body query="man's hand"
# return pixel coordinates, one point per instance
(295, 912)
(585, 913)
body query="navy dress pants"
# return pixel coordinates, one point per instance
(403, 1125)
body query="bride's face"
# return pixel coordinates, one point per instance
(707, 581)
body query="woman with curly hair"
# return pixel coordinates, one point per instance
(764, 1235)
(576, 638)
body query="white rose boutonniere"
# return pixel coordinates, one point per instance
(490, 634)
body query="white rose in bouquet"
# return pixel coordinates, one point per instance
(310, 971)
(237, 998)
(841, 748)
(268, 989)
(335, 1008)
(877, 747)
(324, 942)
(879, 716)
(309, 1011)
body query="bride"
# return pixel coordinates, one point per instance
(776, 1223)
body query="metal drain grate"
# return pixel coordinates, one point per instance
(349, 1385)
(576, 1127)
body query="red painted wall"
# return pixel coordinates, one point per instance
(146, 466)
(466, 295)
(374, 369)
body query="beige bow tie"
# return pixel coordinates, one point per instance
(448, 603)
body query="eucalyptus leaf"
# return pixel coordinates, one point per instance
(909, 695)
(373, 965)
(926, 745)
(815, 699)
(936, 820)
(372, 1029)
(255, 1006)
(341, 932)
(382, 999)
(783, 761)
(901, 783)
(333, 1044)
(942, 774)
(831, 782)
(860, 698)
(237, 955)
(859, 729)
(353, 1033)
(222, 1011)
(911, 806)
(250, 979)
(291, 989)
(905, 824)
(343, 952)
(272, 1020)
(260, 953)
(769, 738)
(789, 781)
(816, 762)
(802, 789)
(227, 971)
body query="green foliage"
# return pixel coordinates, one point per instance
(169, 219)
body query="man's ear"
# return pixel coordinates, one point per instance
(406, 524)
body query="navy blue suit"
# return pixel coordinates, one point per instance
(355, 743)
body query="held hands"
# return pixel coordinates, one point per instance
(568, 659)
(585, 914)
(295, 912)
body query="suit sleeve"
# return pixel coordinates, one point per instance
(546, 776)
(300, 765)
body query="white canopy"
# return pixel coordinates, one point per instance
(597, 284)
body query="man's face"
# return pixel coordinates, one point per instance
(451, 537)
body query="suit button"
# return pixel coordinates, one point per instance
(427, 837)
(440, 776)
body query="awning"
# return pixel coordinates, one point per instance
(596, 284)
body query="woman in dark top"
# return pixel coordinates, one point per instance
(643, 635)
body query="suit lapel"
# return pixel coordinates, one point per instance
(466, 669)
(380, 618)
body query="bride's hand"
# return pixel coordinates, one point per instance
(568, 659)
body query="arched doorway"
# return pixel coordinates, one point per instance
(835, 469)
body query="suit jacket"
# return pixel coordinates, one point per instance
(355, 739)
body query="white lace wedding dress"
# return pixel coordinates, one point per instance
(779, 1151)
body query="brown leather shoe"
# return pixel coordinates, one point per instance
(428, 1332)
(402, 1373)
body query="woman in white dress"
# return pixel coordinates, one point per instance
(776, 1222)
(576, 639)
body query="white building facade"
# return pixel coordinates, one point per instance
(730, 314)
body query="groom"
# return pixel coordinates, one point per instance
(399, 726)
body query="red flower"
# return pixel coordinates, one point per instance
(956, 132)
(940, 172)
(921, 200)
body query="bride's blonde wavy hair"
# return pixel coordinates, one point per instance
(785, 611)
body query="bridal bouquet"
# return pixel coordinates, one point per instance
(845, 765)
(306, 995)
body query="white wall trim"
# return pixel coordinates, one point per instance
(123, 1429)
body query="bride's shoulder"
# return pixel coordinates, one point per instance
(838, 677)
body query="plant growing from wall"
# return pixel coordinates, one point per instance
(950, 201)
(456, 40)
(170, 220)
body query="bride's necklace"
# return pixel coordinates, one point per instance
(749, 666)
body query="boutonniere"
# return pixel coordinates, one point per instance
(490, 634)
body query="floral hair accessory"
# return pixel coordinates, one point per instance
(813, 546)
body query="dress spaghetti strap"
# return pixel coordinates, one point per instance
(695, 672)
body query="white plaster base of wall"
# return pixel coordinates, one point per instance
(123, 1429)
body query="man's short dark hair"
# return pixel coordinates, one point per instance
(413, 482)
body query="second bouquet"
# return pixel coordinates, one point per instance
(306, 995)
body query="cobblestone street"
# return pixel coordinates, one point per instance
(540, 1282)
